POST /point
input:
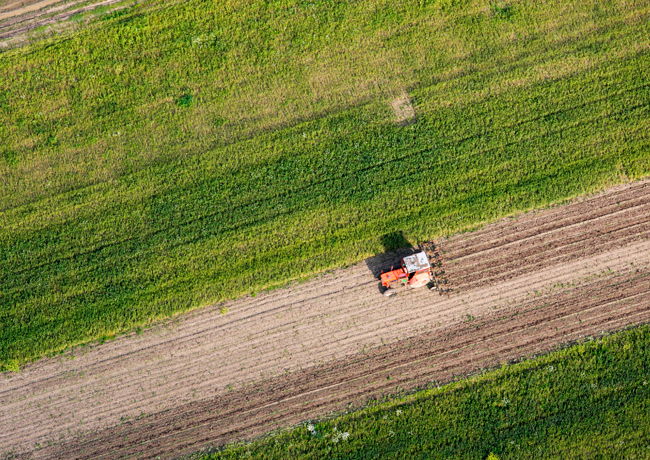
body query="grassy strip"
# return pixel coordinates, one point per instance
(588, 401)
(121, 207)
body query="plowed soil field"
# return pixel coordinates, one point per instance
(514, 289)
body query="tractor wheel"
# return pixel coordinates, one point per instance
(389, 292)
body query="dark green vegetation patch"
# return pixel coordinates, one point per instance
(124, 201)
(591, 401)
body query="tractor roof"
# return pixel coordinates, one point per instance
(416, 262)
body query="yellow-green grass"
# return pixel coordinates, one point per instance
(146, 172)
(590, 401)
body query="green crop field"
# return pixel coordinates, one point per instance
(590, 401)
(174, 154)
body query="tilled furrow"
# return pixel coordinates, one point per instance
(270, 417)
(161, 370)
(558, 241)
(534, 260)
(508, 275)
(604, 203)
(469, 339)
(608, 227)
(384, 360)
(510, 231)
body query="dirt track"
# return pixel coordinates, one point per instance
(18, 8)
(518, 287)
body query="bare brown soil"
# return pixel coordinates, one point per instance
(403, 109)
(517, 288)
(545, 238)
(17, 8)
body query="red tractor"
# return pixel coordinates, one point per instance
(414, 273)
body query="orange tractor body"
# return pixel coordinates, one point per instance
(415, 272)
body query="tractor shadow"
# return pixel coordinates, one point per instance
(396, 247)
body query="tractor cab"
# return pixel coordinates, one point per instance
(415, 272)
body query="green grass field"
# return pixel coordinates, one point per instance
(590, 401)
(176, 154)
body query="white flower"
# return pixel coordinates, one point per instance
(506, 401)
(391, 433)
(310, 427)
(398, 411)
(338, 435)
(551, 368)
(385, 417)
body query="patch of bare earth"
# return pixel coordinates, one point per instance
(403, 109)
(18, 8)
(516, 288)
